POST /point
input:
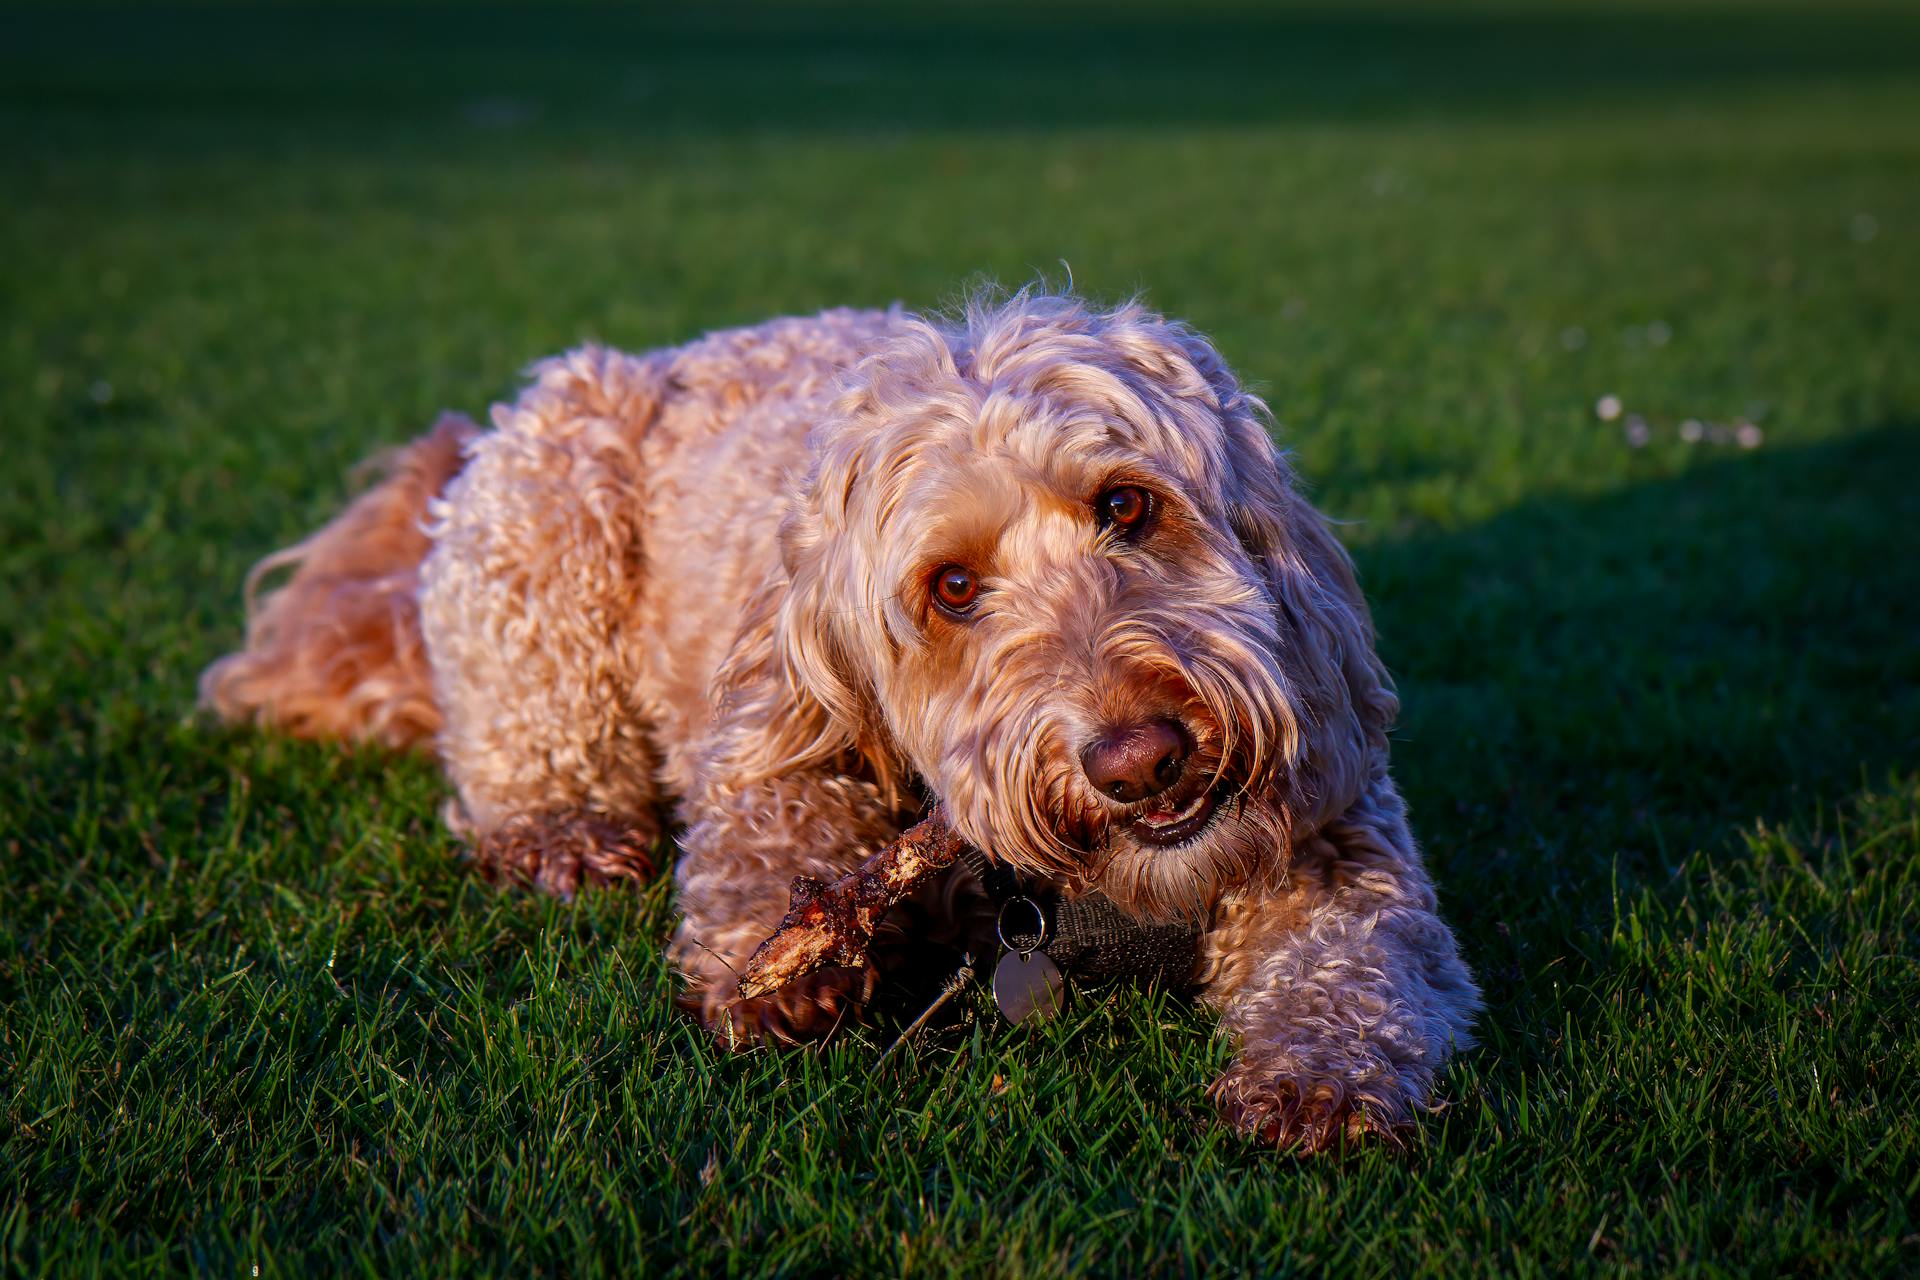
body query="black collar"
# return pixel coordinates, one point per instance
(1089, 936)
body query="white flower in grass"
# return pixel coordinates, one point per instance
(1608, 407)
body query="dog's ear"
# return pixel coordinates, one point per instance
(790, 688)
(1345, 699)
(807, 646)
(1326, 631)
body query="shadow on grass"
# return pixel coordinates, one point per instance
(695, 69)
(1596, 688)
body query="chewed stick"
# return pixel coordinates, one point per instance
(833, 923)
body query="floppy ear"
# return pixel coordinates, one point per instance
(1326, 631)
(1345, 698)
(793, 695)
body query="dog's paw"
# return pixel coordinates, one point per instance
(1305, 1115)
(557, 853)
(805, 1011)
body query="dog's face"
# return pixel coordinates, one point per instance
(1050, 563)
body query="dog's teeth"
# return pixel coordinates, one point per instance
(1163, 818)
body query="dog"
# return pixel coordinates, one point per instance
(1040, 561)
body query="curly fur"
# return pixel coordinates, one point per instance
(701, 578)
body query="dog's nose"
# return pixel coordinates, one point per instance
(1136, 761)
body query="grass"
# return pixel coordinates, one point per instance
(1661, 702)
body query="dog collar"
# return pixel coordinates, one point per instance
(1044, 935)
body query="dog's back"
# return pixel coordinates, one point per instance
(545, 604)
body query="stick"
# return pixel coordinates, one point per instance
(833, 923)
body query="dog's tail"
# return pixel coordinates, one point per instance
(335, 652)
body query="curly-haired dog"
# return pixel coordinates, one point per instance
(1042, 562)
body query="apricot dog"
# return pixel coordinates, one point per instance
(1042, 562)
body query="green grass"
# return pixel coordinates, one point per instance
(1662, 704)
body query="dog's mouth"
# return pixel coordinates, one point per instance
(1177, 819)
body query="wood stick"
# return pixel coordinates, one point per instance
(833, 923)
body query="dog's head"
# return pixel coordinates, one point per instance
(1049, 561)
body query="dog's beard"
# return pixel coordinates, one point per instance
(1176, 852)
(1224, 822)
(1241, 834)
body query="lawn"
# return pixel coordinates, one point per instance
(1662, 726)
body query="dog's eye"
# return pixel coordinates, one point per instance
(955, 588)
(1124, 507)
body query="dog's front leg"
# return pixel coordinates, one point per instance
(742, 849)
(1343, 989)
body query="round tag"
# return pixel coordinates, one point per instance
(1027, 986)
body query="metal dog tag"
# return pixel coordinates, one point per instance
(1027, 985)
